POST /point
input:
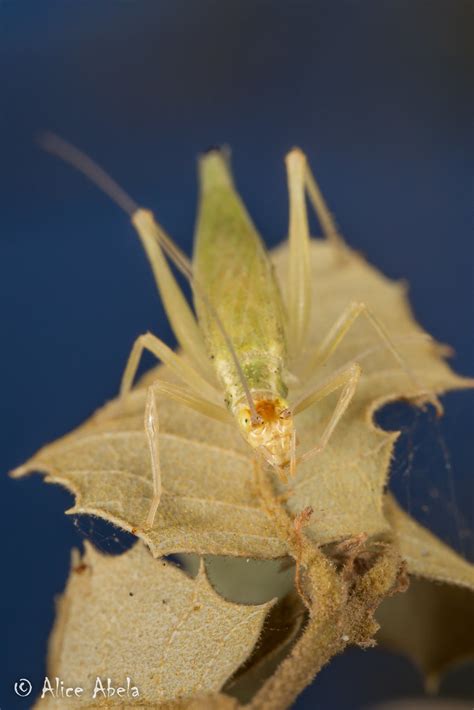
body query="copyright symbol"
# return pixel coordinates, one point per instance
(23, 687)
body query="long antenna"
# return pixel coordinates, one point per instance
(89, 168)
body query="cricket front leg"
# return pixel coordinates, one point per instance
(167, 356)
(163, 390)
(152, 430)
(339, 330)
(347, 379)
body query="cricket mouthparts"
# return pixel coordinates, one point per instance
(274, 434)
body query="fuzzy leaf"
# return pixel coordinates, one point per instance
(432, 622)
(135, 616)
(210, 503)
(284, 625)
(426, 556)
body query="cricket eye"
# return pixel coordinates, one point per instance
(246, 419)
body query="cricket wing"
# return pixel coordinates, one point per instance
(231, 263)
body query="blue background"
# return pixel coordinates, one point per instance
(379, 94)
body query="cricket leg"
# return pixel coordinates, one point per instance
(299, 290)
(325, 218)
(181, 316)
(154, 240)
(161, 389)
(346, 378)
(177, 364)
(152, 430)
(340, 329)
(299, 267)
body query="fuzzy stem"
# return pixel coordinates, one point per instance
(341, 608)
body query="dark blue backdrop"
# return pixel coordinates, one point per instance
(380, 96)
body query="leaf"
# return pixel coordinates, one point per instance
(283, 626)
(216, 701)
(210, 502)
(426, 556)
(137, 617)
(203, 702)
(432, 622)
(249, 581)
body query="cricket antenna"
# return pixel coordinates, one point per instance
(88, 167)
(67, 152)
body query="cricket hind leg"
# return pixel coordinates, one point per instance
(177, 365)
(152, 429)
(339, 330)
(347, 378)
(299, 285)
(180, 315)
(299, 266)
(325, 218)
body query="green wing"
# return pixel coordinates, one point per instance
(232, 266)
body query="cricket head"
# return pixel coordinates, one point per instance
(273, 433)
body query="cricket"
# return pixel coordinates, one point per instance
(244, 346)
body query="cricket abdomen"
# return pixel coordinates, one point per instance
(232, 266)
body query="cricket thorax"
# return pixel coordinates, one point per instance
(273, 433)
(262, 371)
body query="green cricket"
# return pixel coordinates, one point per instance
(242, 341)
